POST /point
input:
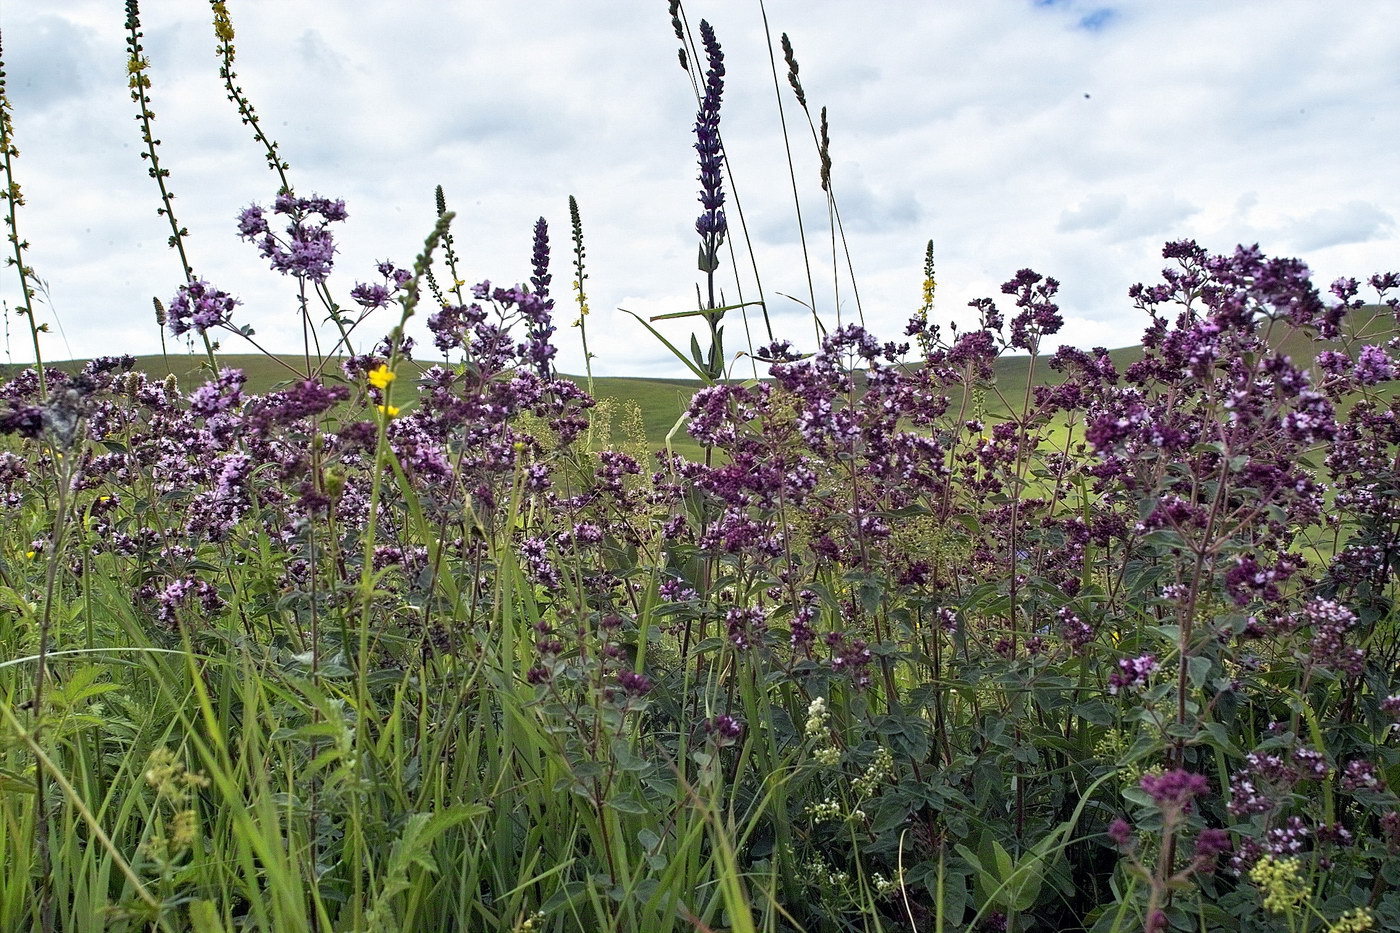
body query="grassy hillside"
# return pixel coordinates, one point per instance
(662, 400)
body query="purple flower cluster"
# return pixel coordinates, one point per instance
(222, 395)
(378, 295)
(1329, 622)
(1132, 673)
(745, 627)
(724, 730)
(199, 306)
(1262, 785)
(308, 249)
(488, 345)
(1175, 789)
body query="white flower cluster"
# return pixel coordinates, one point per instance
(817, 730)
(881, 766)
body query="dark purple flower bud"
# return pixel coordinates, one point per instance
(1210, 845)
(635, 684)
(24, 420)
(1174, 789)
(724, 730)
(1361, 775)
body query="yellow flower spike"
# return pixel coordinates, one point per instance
(391, 411)
(223, 28)
(381, 376)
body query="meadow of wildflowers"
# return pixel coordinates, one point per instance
(407, 643)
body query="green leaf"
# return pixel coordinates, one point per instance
(699, 374)
(700, 312)
(628, 803)
(1197, 670)
(707, 262)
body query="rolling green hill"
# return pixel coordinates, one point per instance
(662, 400)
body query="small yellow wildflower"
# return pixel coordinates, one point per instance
(223, 28)
(1353, 921)
(1281, 883)
(391, 411)
(381, 376)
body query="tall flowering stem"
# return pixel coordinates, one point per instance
(796, 83)
(579, 294)
(383, 380)
(223, 31)
(140, 83)
(711, 224)
(137, 65)
(926, 334)
(449, 253)
(537, 308)
(821, 137)
(13, 199)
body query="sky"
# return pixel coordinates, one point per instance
(1073, 137)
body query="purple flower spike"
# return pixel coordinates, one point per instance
(711, 224)
(540, 259)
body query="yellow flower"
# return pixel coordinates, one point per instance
(223, 28)
(1281, 883)
(381, 376)
(1353, 921)
(390, 410)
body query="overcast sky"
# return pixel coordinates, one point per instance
(1071, 137)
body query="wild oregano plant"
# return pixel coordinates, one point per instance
(954, 632)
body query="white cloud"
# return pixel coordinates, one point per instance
(1353, 222)
(1013, 133)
